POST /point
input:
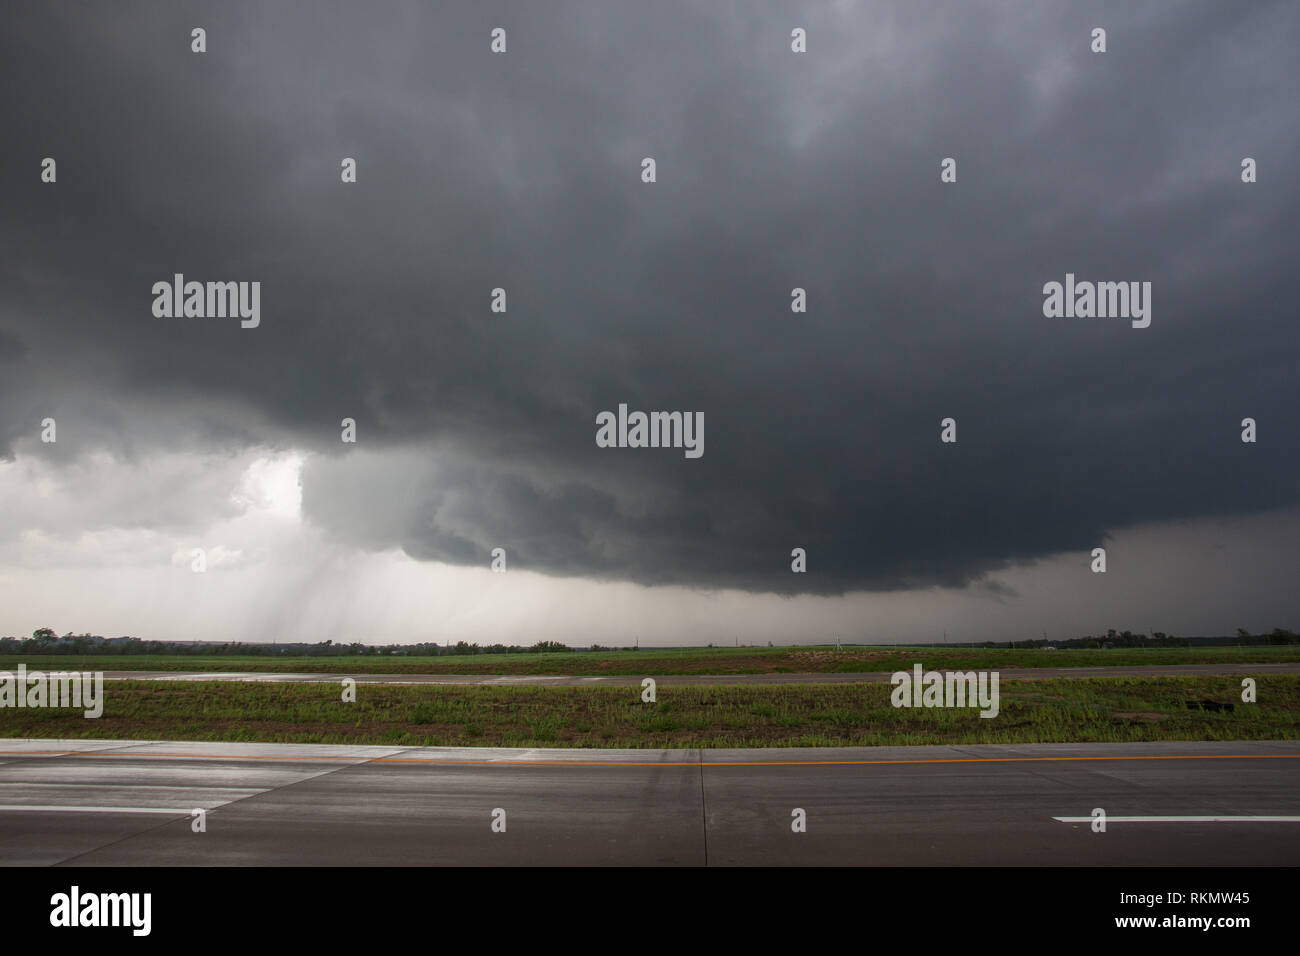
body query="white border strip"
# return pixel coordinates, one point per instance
(1110, 819)
(26, 808)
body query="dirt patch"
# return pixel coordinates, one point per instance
(815, 657)
(1144, 717)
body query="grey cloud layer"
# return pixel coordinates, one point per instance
(775, 171)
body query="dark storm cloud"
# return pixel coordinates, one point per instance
(775, 171)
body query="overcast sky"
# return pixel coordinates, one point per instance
(523, 170)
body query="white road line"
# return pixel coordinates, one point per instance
(1111, 819)
(36, 809)
(134, 786)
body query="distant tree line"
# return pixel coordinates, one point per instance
(45, 641)
(1113, 638)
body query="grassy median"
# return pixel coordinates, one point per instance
(1043, 711)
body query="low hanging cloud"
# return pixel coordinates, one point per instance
(775, 171)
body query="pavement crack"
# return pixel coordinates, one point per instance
(121, 839)
(228, 803)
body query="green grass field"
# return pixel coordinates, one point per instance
(1074, 711)
(766, 660)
